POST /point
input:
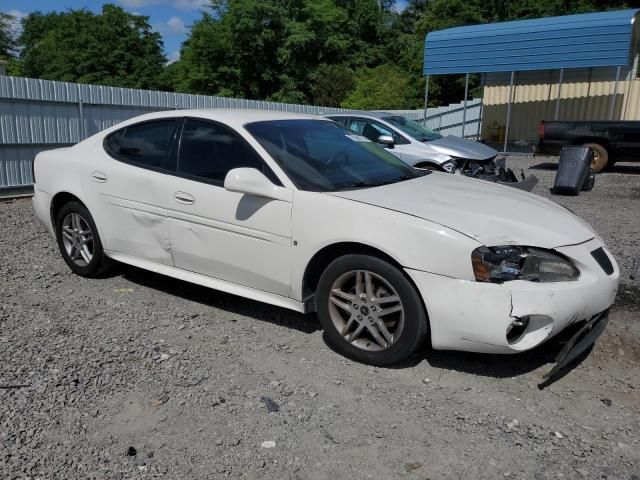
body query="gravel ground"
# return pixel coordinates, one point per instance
(135, 376)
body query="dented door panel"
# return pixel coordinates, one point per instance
(128, 207)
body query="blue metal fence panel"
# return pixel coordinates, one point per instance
(37, 115)
(600, 39)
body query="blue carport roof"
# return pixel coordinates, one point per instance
(602, 39)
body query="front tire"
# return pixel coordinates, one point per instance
(369, 310)
(78, 240)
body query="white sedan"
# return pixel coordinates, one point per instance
(299, 212)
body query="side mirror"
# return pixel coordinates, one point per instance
(386, 141)
(251, 181)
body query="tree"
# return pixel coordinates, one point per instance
(270, 49)
(111, 48)
(331, 83)
(380, 88)
(7, 42)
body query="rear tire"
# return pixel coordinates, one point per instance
(78, 240)
(600, 156)
(370, 311)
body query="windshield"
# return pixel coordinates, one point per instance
(414, 129)
(323, 156)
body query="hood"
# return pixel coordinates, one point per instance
(490, 213)
(462, 148)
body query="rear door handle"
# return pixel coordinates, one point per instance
(99, 177)
(184, 198)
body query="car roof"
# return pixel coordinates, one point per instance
(360, 113)
(234, 117)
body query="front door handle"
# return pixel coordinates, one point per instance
(99, 177)
(184, 198)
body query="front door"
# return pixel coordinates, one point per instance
(230, 236)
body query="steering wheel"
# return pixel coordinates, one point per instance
(335, 157)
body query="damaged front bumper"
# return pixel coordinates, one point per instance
(478, 317)
(495, 171)
(581, 341)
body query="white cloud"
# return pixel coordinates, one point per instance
(176, 25)
(173, 57)
(139, 3)
(190, 4)
(180, 4)
(16, 26)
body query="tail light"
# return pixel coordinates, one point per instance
(541, 130)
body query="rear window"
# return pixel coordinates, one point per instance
(146, 145)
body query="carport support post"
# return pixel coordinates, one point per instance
(615, 94)
(464, 108)
(559, 92)
(426, 98)
(506, 128)
(481, 105)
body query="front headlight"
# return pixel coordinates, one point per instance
(501, 264)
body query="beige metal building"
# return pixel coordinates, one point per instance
(584, 94)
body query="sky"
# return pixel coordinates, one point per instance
(171, 18)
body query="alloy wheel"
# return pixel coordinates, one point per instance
(366, 310)
(77, 238)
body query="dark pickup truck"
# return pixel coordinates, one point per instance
(609, 141)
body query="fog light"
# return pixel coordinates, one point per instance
(516, 329)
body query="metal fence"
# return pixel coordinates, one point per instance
(37, 115)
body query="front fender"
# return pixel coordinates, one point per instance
(321, 220)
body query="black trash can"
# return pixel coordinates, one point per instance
(574, 170)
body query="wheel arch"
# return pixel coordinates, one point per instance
(59, 200)
(327, 254)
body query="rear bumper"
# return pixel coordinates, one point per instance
(474, 316)
(42, 208)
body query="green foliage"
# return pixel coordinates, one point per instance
(297, 51)
(111, 48)
(382, 87)
(284, 51)
(331, 83)
(7, 42)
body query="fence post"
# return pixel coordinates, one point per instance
(82, 131)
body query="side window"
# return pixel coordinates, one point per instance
(145, 144)
(208, 151)
(399, 139)
(372, 130)
(368, 128)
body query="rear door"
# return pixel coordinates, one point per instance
(230, 236)
(129, 186)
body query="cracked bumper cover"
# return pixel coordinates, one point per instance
(474, 316)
